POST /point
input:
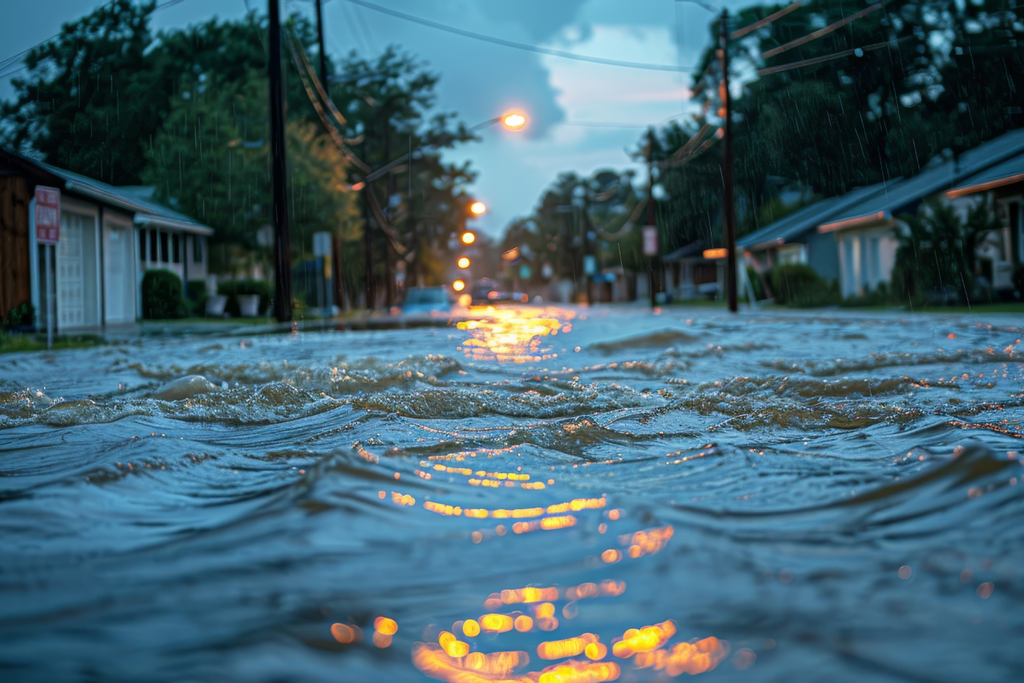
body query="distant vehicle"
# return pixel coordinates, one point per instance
(427, 300)
(487, 291)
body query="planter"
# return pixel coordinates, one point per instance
(249, 305)
(215, 306)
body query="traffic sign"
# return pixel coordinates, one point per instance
(47, 215)
(650, 240)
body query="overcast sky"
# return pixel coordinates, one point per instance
(583, 116)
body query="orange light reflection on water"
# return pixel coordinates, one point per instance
(643, 639)
(692, 658)
(513, 335)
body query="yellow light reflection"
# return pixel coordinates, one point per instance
(647, 542)
(574, 671)
(477, 209)
(692, 658)
(463, 262)
(569, 647)
(345, 634)
(644, 639)
(458, 285)
(435, 662)
(514, 335)
(468, 237)
(496, 623)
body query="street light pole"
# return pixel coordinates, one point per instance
(282, 243)
(728, 206)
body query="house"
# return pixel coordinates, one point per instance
(795, 238)
(853, 238)
(865, 232)
(109, 237)
(689, 274)
(1004, 184)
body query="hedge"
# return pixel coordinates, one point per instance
(162, 295)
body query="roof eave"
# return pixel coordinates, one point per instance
(985, 187)
(144, 219)
(871, 220)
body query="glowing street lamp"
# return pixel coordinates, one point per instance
(458, 285)
(468, 238)
(512, 120)
(463, 263)
(478, 208)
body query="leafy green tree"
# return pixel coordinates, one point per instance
(89, 102)
(388, 104)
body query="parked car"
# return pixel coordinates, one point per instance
(487, 291)
(427, 300)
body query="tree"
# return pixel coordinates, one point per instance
(387, 103)
(90, 103)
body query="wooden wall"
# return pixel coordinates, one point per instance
(15, 279)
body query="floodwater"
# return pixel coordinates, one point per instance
(594, 493)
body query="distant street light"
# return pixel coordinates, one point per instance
(513, 120)
(477, 208)
(468, 238)
(463, 263)
(458, 285)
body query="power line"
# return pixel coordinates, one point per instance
(819, 33)
(518, 46)
(857, 51)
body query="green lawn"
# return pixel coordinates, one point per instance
(13, 343)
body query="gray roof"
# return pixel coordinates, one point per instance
(1009, 171)
(809, 217)
(901, 195)
(131, 199)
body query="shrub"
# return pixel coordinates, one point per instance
(162, 295)
(21, 315)
(797, 284)
(235, 288)
(197, 296)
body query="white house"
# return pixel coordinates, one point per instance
(109, 237)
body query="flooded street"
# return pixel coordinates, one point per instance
(818, 496)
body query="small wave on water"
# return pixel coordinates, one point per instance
(535, 496)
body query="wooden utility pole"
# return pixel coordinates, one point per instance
(652, 216)
(337, 280)
(728, 205)
(282, 243)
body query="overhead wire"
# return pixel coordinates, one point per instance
(516, 45)
(828, 58)
(820, 32)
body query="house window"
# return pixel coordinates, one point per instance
(176, 248)
(164, 252)
(154, 255)
(197, 249)
(142, 245)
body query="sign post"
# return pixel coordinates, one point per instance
(48, 234)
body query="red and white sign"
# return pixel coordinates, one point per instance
(47, 215)
(650, 240)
